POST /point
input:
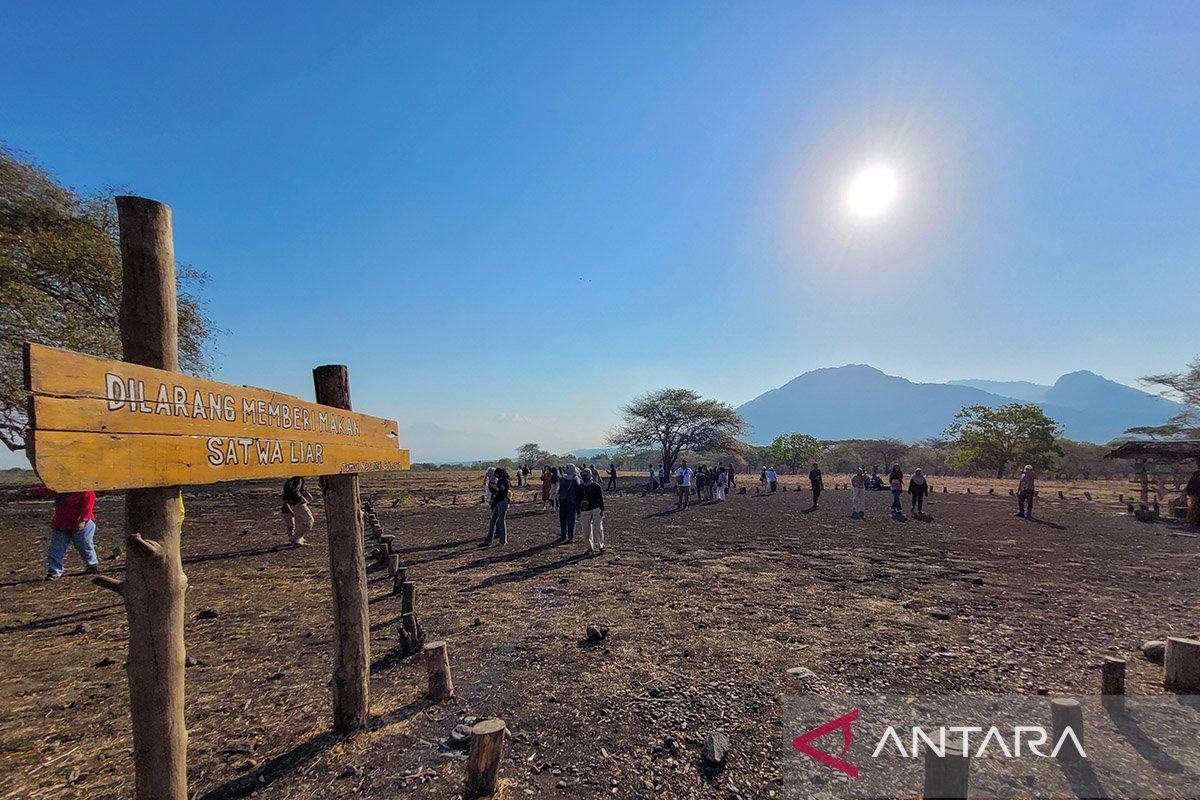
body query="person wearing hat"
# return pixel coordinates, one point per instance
(1026, 491)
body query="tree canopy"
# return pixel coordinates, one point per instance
(60, 283)
(674, 420)
(982, 437)
(793, 450)
(1182, 387)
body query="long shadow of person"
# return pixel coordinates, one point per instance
(1146, 746)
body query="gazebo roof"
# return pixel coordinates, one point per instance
(1172, 450)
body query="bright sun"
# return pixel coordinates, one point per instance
(872, 191)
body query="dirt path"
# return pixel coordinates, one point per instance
(707, 609)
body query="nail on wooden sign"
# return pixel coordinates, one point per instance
(104, 424)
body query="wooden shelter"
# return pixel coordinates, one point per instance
(1143, 452)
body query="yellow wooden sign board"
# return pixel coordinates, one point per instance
(103, 424)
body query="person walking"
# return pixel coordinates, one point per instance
(612, 476)
(772, 479)
(591, 513)
(73, 523)
(918, 488)
(722, 483)
(662, 479)
(858, 494)
(817, 481)
(297, 516)
(762, 480)
(896, 481)
(1026, 492)
(568, 504)
(547, 485)
(653, 482)
(498, 525)
(1192, 490)
(683, 485)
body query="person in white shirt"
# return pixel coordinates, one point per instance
(858, 495)
(722, 484)
(683, 485)
(772, 479)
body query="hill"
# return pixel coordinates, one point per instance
(860, 401)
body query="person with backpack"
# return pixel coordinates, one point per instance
(683, 488)
(723, 483)
(297, 516)
(73, 523)
(1026, 492)
(612, 476)
(498, 525)
(591, 513)
(918, 489)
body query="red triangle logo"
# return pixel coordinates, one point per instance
(842, 723)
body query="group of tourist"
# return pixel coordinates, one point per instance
(574, 492)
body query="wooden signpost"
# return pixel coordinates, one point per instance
(140, 425)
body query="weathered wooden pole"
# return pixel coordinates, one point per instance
(437, 665)
(1181, 664)
(483, 763)
(948, 775)
(154, 584)
(348, 570)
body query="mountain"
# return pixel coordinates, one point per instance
(1024, 391)
(860, 402)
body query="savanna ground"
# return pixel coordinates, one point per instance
(707, 610)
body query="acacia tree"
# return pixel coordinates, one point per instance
(982, 437)
(674, 420)
(532, 453)
(794, 449)
(1182, 387)
(60, 283)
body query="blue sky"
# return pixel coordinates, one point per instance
(508, 219)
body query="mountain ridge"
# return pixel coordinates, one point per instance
(862, 401)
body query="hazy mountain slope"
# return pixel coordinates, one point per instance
(859, 401)
(1021, 390)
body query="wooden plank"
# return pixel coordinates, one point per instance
(78, 460)
(76, 392)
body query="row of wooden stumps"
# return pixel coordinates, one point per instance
(412, 636)
(487, 737)
(949, 775)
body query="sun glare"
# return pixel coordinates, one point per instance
(872, 191)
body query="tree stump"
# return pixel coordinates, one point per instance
(1181, 664)
(437, 665)
(398, 581)
(393, 564)
(483, 762)
(947, 776)
(1112, 676)
(1067, 713)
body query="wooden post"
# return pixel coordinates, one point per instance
(399, 580)
(154, 584)
(348, 570)
(947, 776)
(408, 598)
(1181, 664)
(437, 664)
(393, 564)
(483, 763)
(1067, 713)
(1112, 676)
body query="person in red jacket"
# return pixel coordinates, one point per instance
(74, 523)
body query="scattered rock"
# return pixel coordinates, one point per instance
(942, 614)
(459, 738)
(208, 613)
(1154, 650)
(83, 627)
(802, 672)
(105, 662)
(350, 772)
(597, 632)
(191, 661)
(716, 746)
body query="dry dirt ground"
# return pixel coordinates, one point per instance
(707, 610)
